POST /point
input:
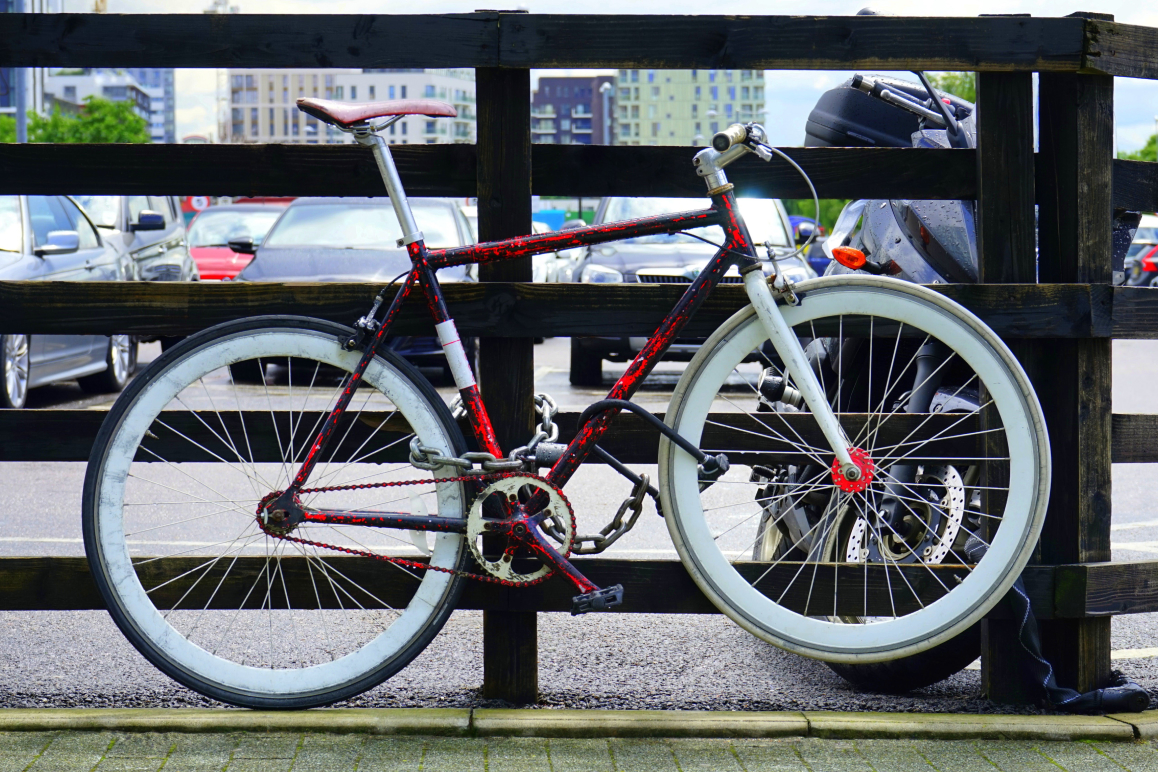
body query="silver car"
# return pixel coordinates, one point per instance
(50, 238)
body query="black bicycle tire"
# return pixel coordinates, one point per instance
(124, 622)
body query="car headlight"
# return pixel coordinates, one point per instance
(599, 274)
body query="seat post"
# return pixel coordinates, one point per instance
(389, 172)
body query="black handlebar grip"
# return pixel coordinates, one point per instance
(732, 135)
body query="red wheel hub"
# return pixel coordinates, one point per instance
(866, 466)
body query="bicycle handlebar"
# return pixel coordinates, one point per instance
(733, 135)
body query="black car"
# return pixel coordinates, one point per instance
(355, 240)
(667, 259)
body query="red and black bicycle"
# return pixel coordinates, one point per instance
(867, 491)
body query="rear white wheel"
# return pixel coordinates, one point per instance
(187, 570)
(910, 584)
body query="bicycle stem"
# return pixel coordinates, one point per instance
(788, 347)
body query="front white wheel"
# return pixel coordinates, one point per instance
(960, 461)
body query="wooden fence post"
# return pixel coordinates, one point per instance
(1075, 198)
(506, 365)
(1005, 240)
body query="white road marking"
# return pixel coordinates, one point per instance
(543, 372)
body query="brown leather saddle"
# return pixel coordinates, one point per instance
(348, 114)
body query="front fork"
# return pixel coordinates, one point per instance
(788, 346)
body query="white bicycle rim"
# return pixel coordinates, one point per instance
(266, 682)
(819, 637)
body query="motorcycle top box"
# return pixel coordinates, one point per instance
(848, 117)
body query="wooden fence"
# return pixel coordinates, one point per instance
(1061, 328)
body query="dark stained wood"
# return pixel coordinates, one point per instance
(450, 170)
(507, 365)
(650, 586)
(1006, 234)
(1075, 178)
(235, 170)
(1120, 49)
(1136, 185)
(1135, 439)
(1105, 589)
(68, 435)
(1134, 311)
(248, 40)
(790, 42)
(1075, 189)
(595, 170)
(525, 310)
(1005, 169)
(547, 41)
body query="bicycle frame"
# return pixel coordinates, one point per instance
(737, 250)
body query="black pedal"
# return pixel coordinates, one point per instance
(600, 600)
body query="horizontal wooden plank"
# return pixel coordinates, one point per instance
(1105, 589)
(650, 587)
(68, 435)
(1127, 50)
(248, 40)
(557, 170)
(545, 41)
(1136, 185)
(1135, 313)
(449, 170)
(522, 310)
(1135, 439)
(791, 42)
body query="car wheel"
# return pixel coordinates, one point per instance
(14, 384)
(120, 361)
(586, 366)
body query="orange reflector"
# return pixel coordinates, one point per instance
(848, 257)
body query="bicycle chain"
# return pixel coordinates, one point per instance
(414, 563)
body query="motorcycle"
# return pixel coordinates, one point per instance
(922, 241)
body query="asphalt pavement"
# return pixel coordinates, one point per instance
(63, 659)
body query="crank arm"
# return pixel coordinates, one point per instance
(377, 519)
(796, 363)
(546, 552)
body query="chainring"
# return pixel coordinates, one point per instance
(508, 487)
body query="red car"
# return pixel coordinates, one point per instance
(212, 229)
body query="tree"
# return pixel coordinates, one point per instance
(99, 121)
(959, 84)
(1148, 152)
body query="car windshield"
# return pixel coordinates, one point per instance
(214, 228)
(359, 226)
(101, 209)
(761, 215)
(11, 234)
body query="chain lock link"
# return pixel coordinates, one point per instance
(519, 459)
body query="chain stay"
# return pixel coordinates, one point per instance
(403, 561)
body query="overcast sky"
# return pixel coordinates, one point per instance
(790, 95)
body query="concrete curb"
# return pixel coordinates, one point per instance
(417, 721)
(464, 722)
(968, 726)
(638, 723)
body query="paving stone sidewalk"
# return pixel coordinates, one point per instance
(295, 752)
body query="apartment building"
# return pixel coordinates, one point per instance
(684, 107)
(263, 103)
(570, 111)
(74, 86)
(158, 83)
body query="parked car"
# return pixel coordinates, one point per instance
(151, 228)
(667, 259)
(49, 238)
(212, 229)
(355, 239)
(1141, 262)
